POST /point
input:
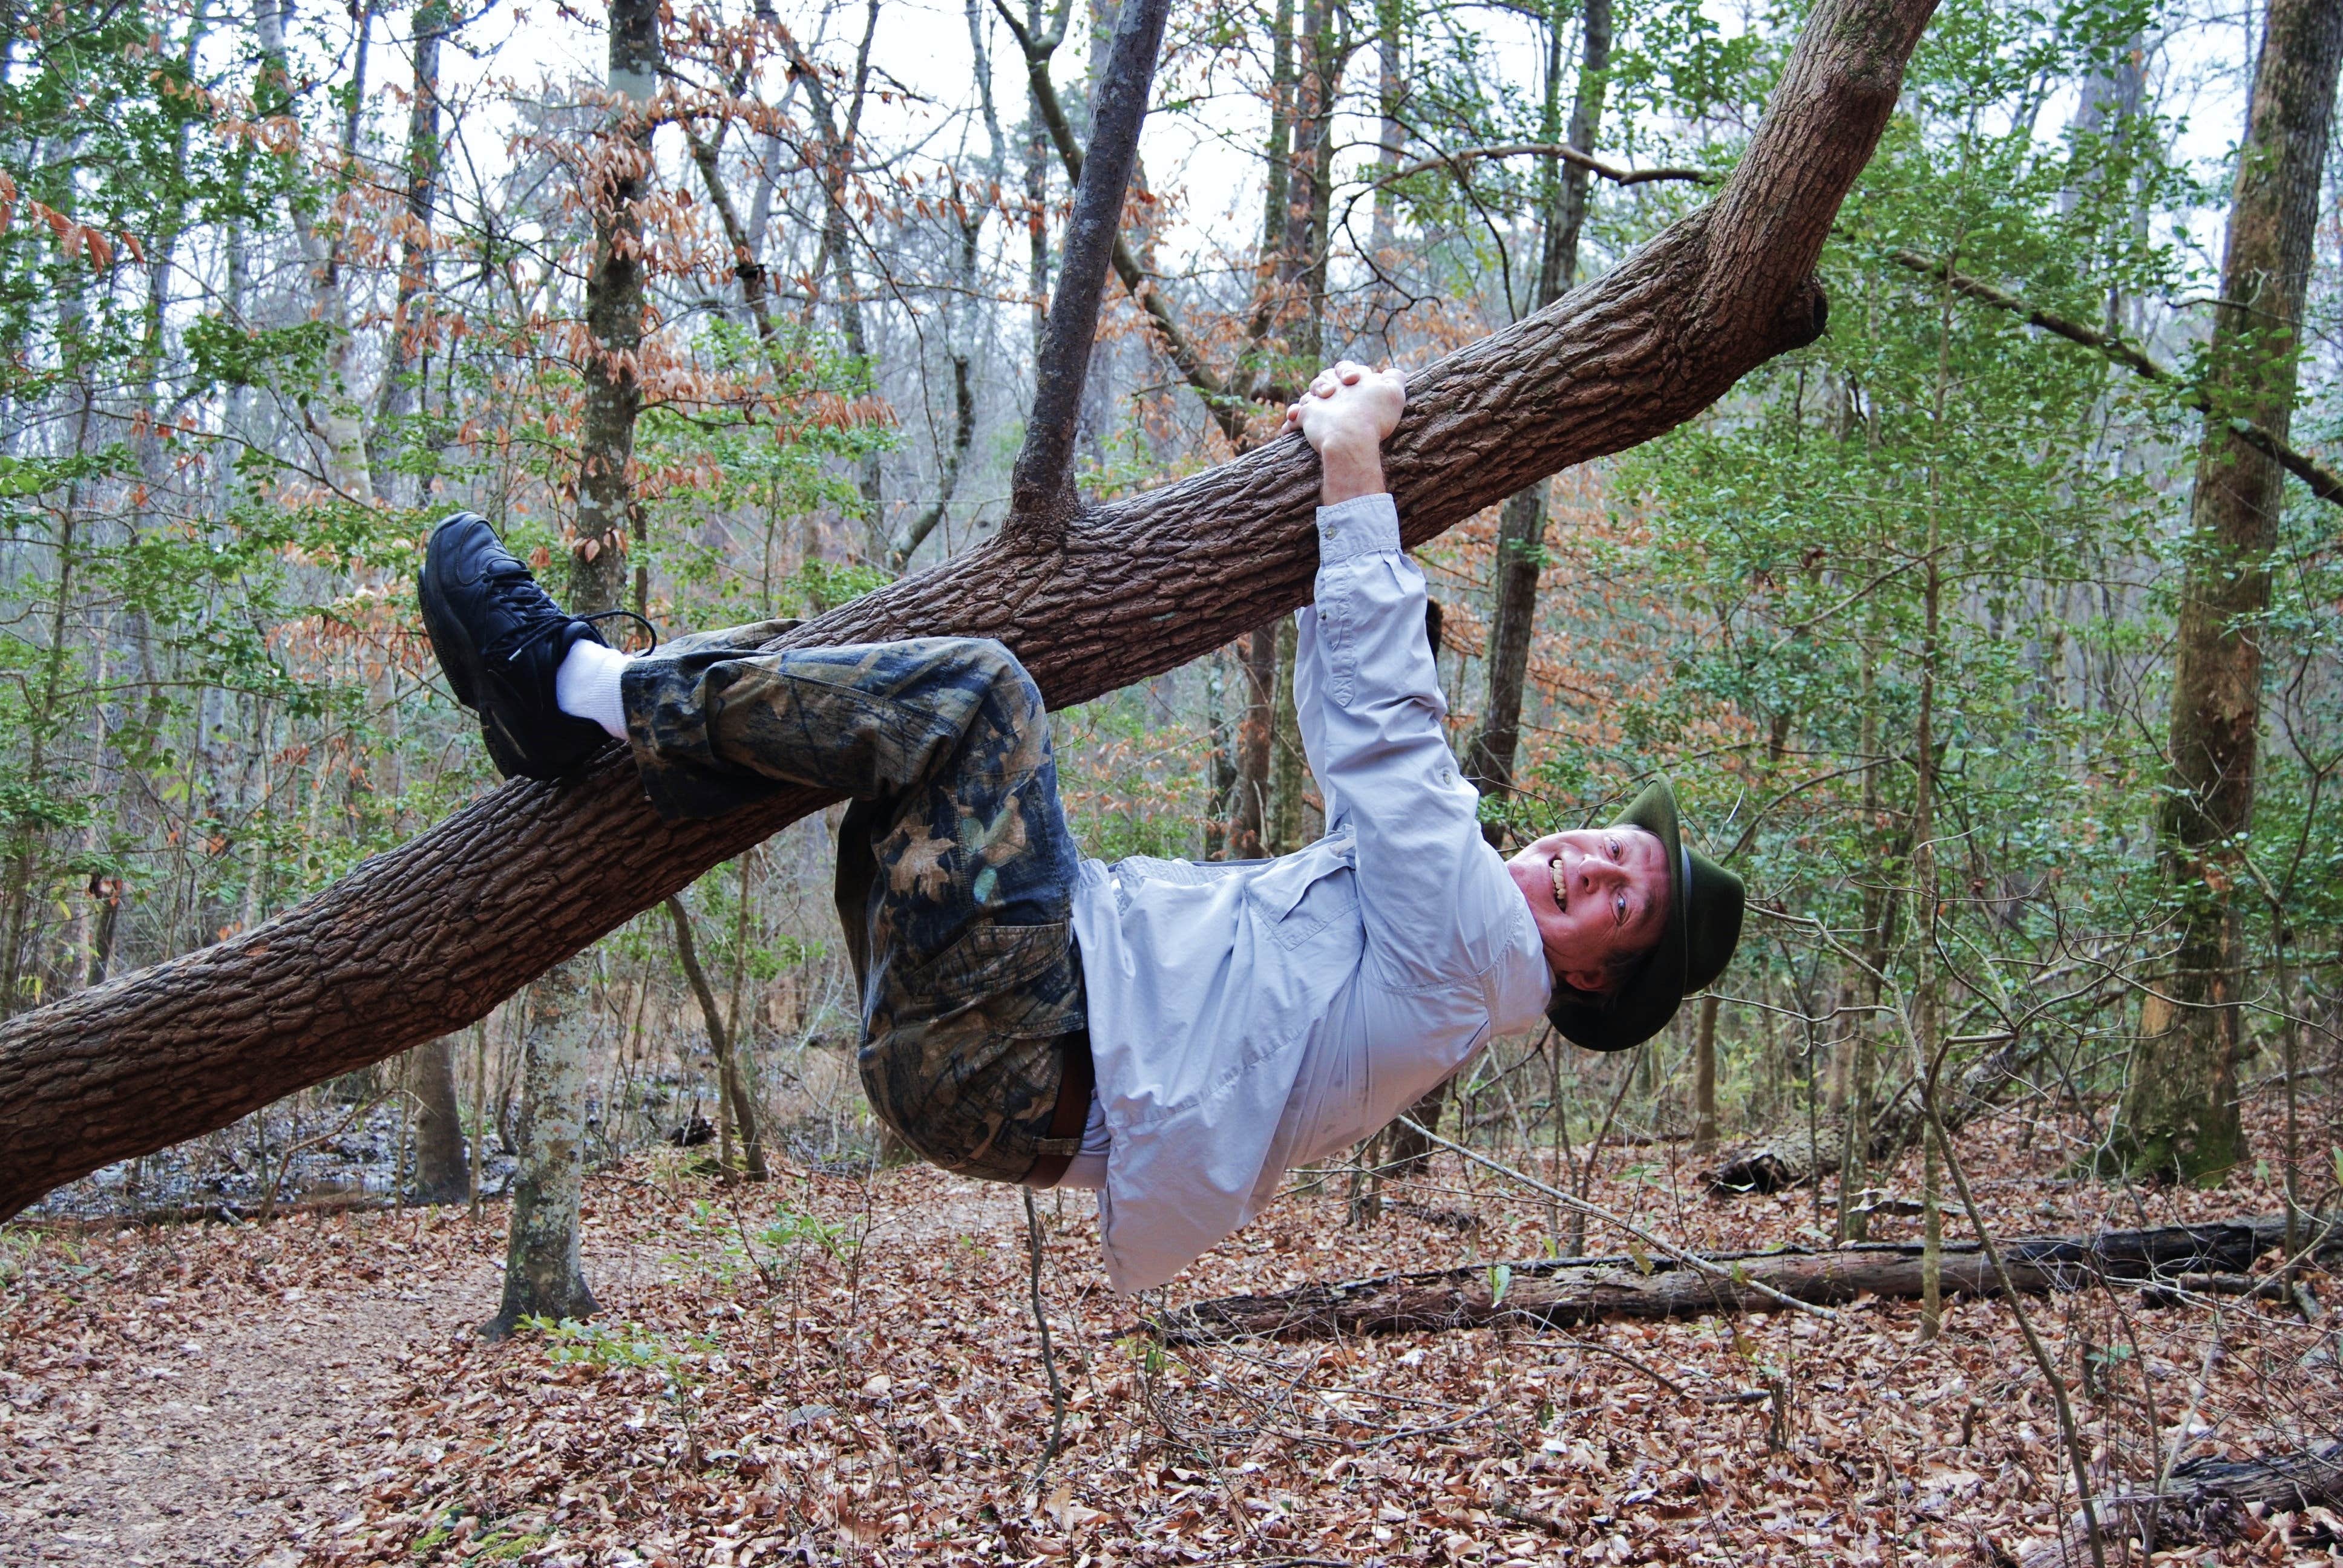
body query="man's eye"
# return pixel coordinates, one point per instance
(1619, 905)
(1611, 845)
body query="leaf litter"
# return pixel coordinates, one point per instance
(842, 1367)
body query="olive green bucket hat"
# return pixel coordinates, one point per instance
(1704, 926)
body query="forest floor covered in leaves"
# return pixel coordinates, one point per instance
(836, 1367)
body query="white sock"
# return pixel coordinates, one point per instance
(586, 686)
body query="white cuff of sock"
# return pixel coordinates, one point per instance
(586, 687)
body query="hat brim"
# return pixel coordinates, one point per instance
(1649, 995)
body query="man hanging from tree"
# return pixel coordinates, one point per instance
(1175, 1035)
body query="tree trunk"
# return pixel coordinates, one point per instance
(543, 1275)
(737, 1109)
(1249, 816)
(442, 1172)
(1310, 188)
(1520, 534)
(543, 1253)
(1563, 1292)
(2180, 1111)
(2205, 1500)
(606, 521)
(1040, 484)
(399, 394)
(1704, 1076)
(1406, 1151)
(333, 414)
(1223, 737)
(425, 938)
(1289, 768)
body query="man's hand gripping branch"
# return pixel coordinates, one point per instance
(1344, 415)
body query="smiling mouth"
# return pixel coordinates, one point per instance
(1561, 883)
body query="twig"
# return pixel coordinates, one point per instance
(1048, 1360)
(1567, 153)
(285, 1166)
(1664, 1382)
(2057, 1385)
(1595, 1210)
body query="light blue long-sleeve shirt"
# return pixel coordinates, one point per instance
(1248, 1018)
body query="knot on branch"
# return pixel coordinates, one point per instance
(1804, 315)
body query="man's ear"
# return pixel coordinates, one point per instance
(1593, 982)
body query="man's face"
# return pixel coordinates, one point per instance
(1599, 895)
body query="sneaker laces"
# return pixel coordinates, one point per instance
(516, 591)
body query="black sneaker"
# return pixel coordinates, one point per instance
(500, 637)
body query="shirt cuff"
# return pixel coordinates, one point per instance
(1362, 526)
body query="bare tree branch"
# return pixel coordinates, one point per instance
(2324, 482)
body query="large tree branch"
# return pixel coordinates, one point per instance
(423, 939)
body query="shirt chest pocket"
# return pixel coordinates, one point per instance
(1301, 901)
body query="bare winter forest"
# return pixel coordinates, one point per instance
(1910, 429)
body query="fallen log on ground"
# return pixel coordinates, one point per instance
(1559, 1293)
(422, 939)
(2204, 1502)
(1793, 1158)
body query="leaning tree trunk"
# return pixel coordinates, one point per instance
(423, 939)
(736, 1109)
(2179, 1111)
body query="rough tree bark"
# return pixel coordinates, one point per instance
(425, 938)
(1559, 1293)
(2180, 1111)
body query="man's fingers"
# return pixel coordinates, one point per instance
(1350, 370)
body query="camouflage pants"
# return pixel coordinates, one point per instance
(955, 869)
